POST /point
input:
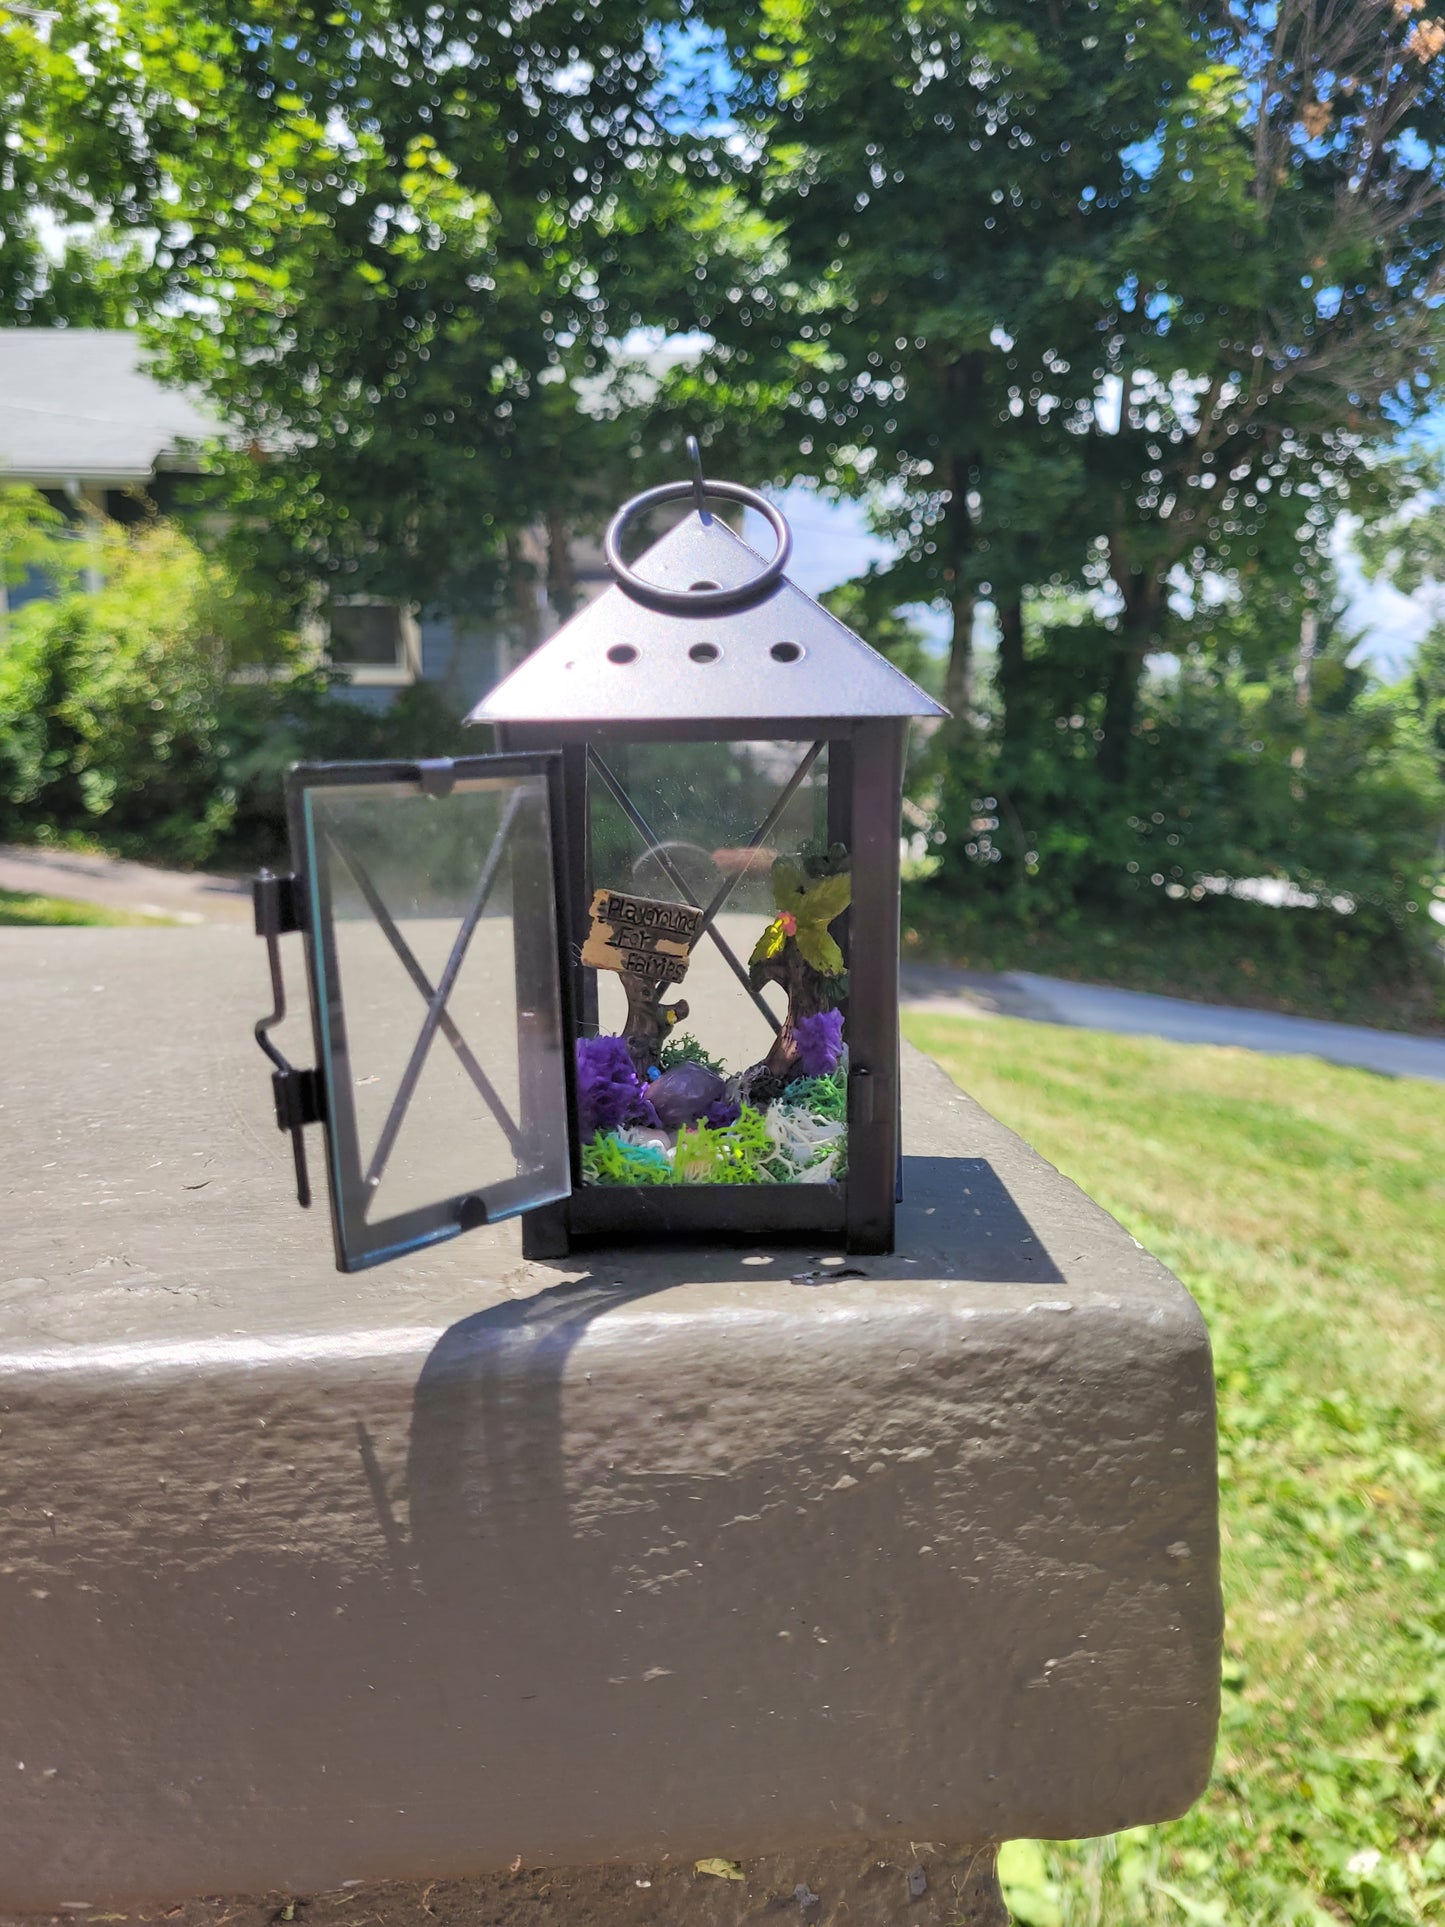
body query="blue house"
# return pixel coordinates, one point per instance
(83, 420)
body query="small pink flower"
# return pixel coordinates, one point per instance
(788, 923)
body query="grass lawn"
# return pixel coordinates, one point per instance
(1304, 1207)
(18, 907)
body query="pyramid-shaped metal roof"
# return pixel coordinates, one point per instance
(782, 657)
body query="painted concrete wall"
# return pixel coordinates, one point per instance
(307, 1579)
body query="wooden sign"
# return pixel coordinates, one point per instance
(638, 937)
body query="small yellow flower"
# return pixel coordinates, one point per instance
(1425, 40)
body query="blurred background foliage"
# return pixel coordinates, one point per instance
(157, 712)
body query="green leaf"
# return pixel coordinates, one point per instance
(720, 1869)
(819, 950)
(769, 944)
(827, 899)
(789, 885)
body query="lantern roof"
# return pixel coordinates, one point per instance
(778, 657)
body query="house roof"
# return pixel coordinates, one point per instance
(780, 658)
(78, 404)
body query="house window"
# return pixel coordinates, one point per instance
(377, 644)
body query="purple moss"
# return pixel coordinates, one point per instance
(609, 1091)
(820, 1043)
(725, 1111)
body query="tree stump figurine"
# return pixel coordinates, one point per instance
(648, 1021)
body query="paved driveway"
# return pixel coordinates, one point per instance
(186, 895)
(1054, 1000)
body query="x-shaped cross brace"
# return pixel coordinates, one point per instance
(729, 884)
(437, 1018)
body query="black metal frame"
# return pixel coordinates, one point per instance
(359, 1245)
(865, 775)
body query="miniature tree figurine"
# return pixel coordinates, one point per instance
(649, 1021)
(797, 952)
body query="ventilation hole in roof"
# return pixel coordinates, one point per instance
(704, 584)
(622, 652)
(704, 652)
(786, 652)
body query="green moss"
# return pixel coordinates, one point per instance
(611, 1159)
(685, 1049)
(743, 1152)
(730, 1154)
(825, 1097)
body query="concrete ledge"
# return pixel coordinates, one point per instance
(307, 1579)
(858, 1885)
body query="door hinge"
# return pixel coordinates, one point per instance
(277, 904)
(298, 1098)
(297, 1094)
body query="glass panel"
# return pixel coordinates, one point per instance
(437, 974)
(731, 1069)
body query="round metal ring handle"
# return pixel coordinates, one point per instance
(696, 602)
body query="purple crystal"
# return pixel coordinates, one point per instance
(609, 1091)
(820, 1043)
(684, 1094)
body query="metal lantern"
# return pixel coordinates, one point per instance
(636, 973)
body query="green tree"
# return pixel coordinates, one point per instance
(375, 228)
(1406, 548)
(76, 187)
(1081, 293)
(1280, 320)
(942, 195)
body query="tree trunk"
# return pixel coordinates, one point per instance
(960, 535)
(522, 585)
(649, 1021)
(1304, 668)
(561, 579)
(1143, 593)
(1121, 706)
(958, 676)
(1012, 667)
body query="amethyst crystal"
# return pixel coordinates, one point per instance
(820, 1043)
(684, 1094)
(609, 1091)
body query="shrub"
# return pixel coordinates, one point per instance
(1230, 778)
(111, 700)
(123, 717)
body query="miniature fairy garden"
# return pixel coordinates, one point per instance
(655, 1107)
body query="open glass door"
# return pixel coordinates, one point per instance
(428, 896)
